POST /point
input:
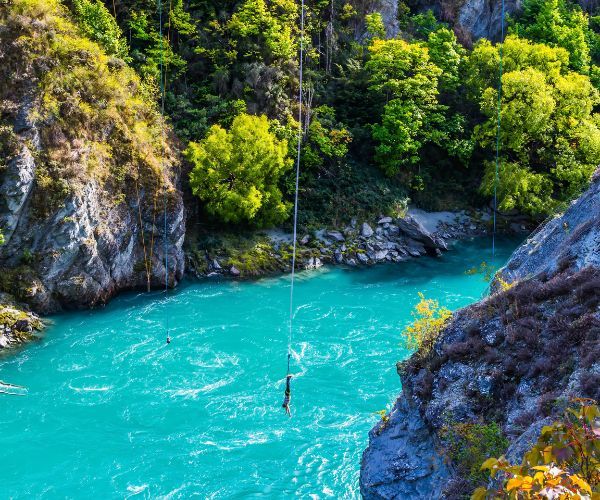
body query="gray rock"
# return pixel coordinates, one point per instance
(573, 236)
(336, 235)
(234, 271)
(385, 220)
(366, 230)
(363, 259)
(402, 461)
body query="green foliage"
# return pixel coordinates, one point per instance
(558, 23)
(96, 118)
(375, 26)
(549, 140)
(564, 463)
(412, 116)
(429, 321)
(469, 444)
(236, 172)
(99, 25)
(264, 29)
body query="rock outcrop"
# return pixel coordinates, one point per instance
(515, 359)
(17, 325)
(90, 248)
(84, 166)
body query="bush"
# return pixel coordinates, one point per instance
(429, 320)
(564, 463)
(237, 172)
(469, 444)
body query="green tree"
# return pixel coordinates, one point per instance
(558, 23)
(237, 172)
(98, 24)
(412, 117)
(374, 25)
(549, 138)
(447, 54)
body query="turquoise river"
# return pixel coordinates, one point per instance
(113, 412)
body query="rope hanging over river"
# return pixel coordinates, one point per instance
(498, 129)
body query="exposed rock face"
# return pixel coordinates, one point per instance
(90, 248)
(573, 237)
(78, 179)
(513, 358)
(473, 19)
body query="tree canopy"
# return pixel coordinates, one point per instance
(237, 172)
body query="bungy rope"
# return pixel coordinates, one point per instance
(498, 130)
(162, 112)
(299, 147)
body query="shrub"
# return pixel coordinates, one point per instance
(564, 463)
(469, 444)
(429, 320)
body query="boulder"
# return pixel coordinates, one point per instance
(234, 271)
(385, 220)
(362, 258)
(336, 235)
(366, 230)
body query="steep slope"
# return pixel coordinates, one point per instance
(84, 165)
(511, 360)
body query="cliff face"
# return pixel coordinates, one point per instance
(472, 19)
(514, 359)
(85, 161)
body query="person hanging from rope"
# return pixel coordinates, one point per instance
(288, 395)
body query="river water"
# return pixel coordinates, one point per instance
(112, 411)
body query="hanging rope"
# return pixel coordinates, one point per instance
(162, 76)
(299, 147)
(498, 129)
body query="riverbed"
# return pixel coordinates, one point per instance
(112, 411)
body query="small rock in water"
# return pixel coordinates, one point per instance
(366, 230)
(351, 262)
(234, 271)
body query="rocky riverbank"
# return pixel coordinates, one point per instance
(502, 369)
(17, 325)
(360, 243)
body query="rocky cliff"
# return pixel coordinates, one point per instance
(509, 362)
(86, 164)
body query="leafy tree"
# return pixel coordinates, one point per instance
(413, 118)
(99, 25)
(447, 54)
(549, 139)
(375, 26)
(264, 29)
(236, 172)
(558, 23)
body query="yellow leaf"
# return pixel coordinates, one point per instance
(489, 463)
(514, 483)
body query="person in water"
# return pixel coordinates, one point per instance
(168, 339)
(288, 396)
